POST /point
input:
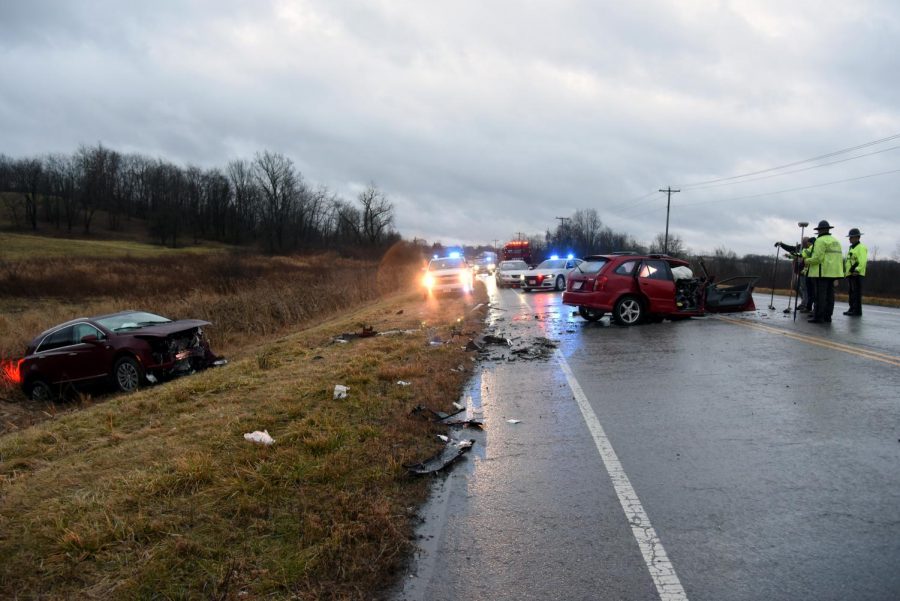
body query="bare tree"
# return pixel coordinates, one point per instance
(676, 245)
(377, 215)
(277, 179)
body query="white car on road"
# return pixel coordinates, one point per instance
(549, 275)
(448, 274)
(509, 273)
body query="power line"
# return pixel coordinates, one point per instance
(822, 185)
(757, 179)
(795, 163)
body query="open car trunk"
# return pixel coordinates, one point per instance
(731, 295)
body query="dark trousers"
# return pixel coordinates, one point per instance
(810, 293)
(855, 282)
(824, 298)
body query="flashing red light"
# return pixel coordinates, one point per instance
(600, 284)
(9, 371)
(540, 279)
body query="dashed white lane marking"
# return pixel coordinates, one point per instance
(661, 569)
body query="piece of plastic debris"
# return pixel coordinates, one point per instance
(258, 437)
(514, 421)
(151, 378)
(450, 419)
(402, 383)
(444, 437)
(453, 450)
(220, 362)
(459, 406)
(340, 392)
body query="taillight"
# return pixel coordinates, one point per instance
(600, 283)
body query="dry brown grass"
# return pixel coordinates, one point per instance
(157, 495)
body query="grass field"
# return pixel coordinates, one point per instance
(16, 247)
(158, 495)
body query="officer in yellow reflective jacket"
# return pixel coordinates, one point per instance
(855, 270)
(809, 298)
(826, 264)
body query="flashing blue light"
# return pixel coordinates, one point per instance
(554, 257)
(454, 255)
(570, 256)
(435, 256)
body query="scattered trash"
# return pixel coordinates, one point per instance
(514, 421)
(402, 383)
(453, 450)
(400, 312)
(364, 332)
(448, 419)
(478, 344)
(458, 368)
(397, 332)
(220, 362)
(459, 406)
(340, 392)
(258, 437)
(151, 378)
(443, 437)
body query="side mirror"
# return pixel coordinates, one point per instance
(90, 339)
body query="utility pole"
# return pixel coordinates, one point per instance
(562, 220)
(669, 191)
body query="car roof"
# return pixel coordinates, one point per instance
(633, 256)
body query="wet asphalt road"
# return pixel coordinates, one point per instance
(720, 458)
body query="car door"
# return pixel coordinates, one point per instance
(51, 358)
(655, 282)
(88, 359)
(733, 294)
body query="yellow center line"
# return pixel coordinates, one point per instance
(837, 346)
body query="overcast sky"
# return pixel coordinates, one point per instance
(480, 119)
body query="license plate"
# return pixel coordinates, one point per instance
(532, 280)
(577, 285)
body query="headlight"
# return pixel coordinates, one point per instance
(465, 277)
(428, 280)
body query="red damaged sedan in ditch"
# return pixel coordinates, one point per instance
(129, 349)
(635, 288)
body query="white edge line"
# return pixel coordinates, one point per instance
(661, 569)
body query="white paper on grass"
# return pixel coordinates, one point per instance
(340, 392)
(514, 421)
(260, 437)
(402, 383)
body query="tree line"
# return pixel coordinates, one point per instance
(263, 201)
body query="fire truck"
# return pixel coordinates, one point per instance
(516, 249)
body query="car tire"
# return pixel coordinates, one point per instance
(628, 311)
(590, 314)
(560, 283)
(39, 390)
(128, 375)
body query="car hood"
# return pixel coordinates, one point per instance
(547, 271)
(165, 329)
(512, 272)
(452, 271)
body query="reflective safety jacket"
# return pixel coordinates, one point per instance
(805, 254)
(855, 261)
(827, 260)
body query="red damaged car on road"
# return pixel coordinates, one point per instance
(635, 288)
(129, 349)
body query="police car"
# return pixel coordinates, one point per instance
(550, 274)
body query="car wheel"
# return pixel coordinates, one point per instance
(628, 311)
(128, 374)
(40, 391)
(560, 283)
(590, 314)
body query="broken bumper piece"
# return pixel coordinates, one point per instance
(453, 450)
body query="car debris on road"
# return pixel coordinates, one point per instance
(452, 451)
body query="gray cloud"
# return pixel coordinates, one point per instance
(482, 120)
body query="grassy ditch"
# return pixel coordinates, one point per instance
(158, 495)
(247, 297)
